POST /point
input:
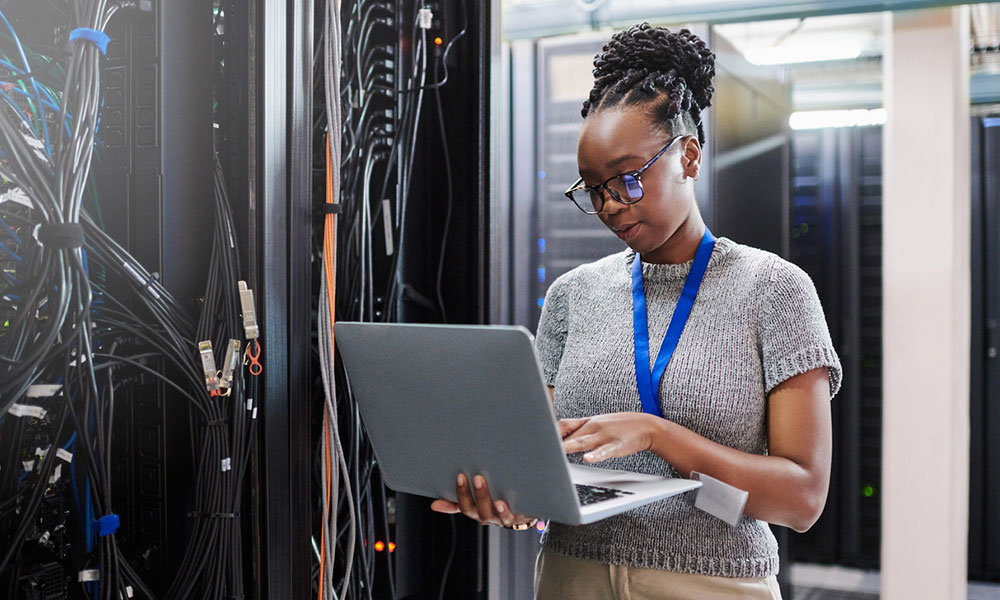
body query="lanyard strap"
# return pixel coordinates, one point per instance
(649, 383)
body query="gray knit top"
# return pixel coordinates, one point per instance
(756, 322)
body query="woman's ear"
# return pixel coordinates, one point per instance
(691, 157)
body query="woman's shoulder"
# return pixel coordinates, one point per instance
(765, 267)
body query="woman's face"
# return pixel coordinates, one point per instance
(617, 140)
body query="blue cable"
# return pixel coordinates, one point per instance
(24, 118)
(34, 84)
(52, 102)
(12, 233)
(10, 252)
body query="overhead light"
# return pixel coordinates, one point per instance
(819, 119)
(800, 53)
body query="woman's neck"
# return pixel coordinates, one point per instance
(682, 245)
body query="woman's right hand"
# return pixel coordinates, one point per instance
(478, 505)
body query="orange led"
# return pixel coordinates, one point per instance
(392, 546)
(379, 546)
(438, 41)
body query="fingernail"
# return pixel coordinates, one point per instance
(478, 482)
(499, 506)
(461, 479)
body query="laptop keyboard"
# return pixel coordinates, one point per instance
(590, 494)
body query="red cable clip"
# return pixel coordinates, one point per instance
(252, 356)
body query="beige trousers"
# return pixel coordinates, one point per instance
(559, 577)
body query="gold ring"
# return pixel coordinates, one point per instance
(524, 526)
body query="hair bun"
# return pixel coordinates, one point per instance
(663, 54)
(645, 64)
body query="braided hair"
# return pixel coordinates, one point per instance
(670, 71)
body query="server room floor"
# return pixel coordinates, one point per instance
(822, 582)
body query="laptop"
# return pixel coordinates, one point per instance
(438, 400)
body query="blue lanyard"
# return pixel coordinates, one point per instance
(649, 383)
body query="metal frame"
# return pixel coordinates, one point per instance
(556, 17)
(283, 38)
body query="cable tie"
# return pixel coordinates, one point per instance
(201, 515)
(17, 196)
(59, 235)
(27, 410)
(46, 390)
(144, 282)
(89, 575)
(107, 525)
(64, 454)
(56, 474)
(94, 36)
(331, 208)
(215, 422)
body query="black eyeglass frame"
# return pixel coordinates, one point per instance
(578, 185)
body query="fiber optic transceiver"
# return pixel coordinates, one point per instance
(208, 366)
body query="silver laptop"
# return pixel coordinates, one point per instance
(438, 400)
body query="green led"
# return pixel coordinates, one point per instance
(6, 323)
(868, 491)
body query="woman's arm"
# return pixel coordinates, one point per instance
(786, 487)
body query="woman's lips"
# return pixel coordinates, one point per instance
(627, 232)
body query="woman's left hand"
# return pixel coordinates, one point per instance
(609, 436)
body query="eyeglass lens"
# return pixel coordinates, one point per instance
(624, 188)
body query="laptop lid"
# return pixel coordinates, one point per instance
(442, 399)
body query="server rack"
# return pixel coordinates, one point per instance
(836, 238)
(984, 415)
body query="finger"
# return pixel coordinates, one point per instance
(568, 426)
(466, 503)
(445, 506)
(605, 451)
(484, 504)
(581, 443)
(506, 517)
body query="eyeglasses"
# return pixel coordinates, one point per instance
(625, 188)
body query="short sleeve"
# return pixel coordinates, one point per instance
(550, 340)
(794, 336)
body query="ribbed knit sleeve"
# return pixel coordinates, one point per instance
(794, 337)
(550, 340)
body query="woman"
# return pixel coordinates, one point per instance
(745, 394)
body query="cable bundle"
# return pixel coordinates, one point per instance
(373, 94)
(82, 322)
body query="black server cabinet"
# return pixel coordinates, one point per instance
(154, 179)
(836, 237)
(984, 416)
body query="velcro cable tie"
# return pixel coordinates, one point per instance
(107, 525)
(201, 515)
(26, 410)
(215, 422)
(330, 209)
(97, 38)
(43, 390)
(89, 575)
(59, 235)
